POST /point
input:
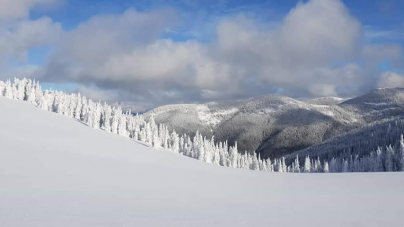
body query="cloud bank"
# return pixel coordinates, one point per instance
(17, 9)
(19, 34)
(317, 49)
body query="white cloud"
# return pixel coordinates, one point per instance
(26, 71)
(316, 50)
(17, 9)
(18, 35)
(103, 39)
(377, 53)
(391, 79)
(26, 34)
(318, 32)
(115, 97)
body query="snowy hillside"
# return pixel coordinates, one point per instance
(55, 171)
(327, 101)
(272, 125)
(377, 105)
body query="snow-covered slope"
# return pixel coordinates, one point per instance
(327, 101)
(377, 105)
(55, 171)
(274, 125)
(265, 124)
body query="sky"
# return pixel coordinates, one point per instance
(146, 53)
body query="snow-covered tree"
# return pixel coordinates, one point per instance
(388, 157)
(307, 165)
(400, 155)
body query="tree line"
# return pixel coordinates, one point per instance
(114, 120)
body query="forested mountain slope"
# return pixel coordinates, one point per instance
(379, 104)
(358, 142)
(329, 101)
(55, 171)
(275, 125)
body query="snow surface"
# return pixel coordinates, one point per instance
(213, 118)
(55, 171)
(377, 104)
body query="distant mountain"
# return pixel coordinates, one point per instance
(377, 105)
(328, 101)
(272, 125)
(361, 141)
(275, 125)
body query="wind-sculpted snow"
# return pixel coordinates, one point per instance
(55, 171)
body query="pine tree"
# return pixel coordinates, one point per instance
(122, 126)
(400, 155)
(345, 166)
(307, 165)
(326, 167)
(296, 168)
(388, 160)
(78, 109)
(233, 156)
(285, 167)
(8, 90)
(39, 99)
(279, 164)
(30, 92)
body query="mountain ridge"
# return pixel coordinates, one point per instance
(275, 125)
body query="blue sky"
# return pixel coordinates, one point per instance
(377, 16)
(154, 52)
(382, 14)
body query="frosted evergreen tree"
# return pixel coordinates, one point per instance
(296, 168)
(78, 108)
(378, 161)
(156, 142)
(199, 148)
(122, 125)
(21, 88)
(262, 163)
(307, 165)
(285, 167)
(279, 164)
(8, 90)
(39, 99)
(255, 162)
(176, 142)
(209, 152)
(114, 123)
(388, 160)
(269, 165)
(400, 155)
(2, 87)
(30, 91)
(326, 167)
(345, 166)
(317, 166)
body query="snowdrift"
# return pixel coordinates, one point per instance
(56, 171)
